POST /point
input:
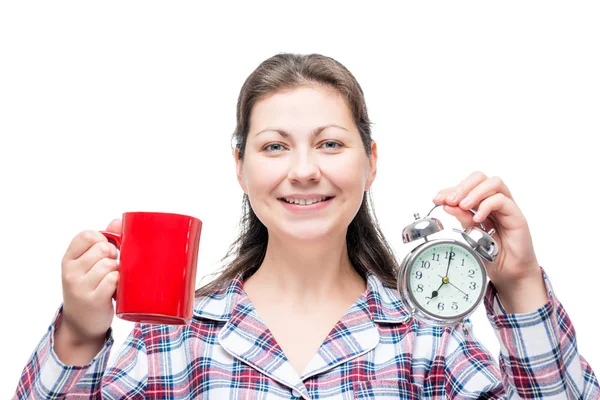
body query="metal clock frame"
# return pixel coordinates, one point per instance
(413, 305)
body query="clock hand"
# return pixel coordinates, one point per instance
(434, 293)
(449, 260)
(452, 285)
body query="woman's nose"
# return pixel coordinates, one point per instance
(304, 167)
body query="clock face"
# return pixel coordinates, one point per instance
(446, 280)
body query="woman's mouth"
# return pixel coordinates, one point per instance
(305, 205)
(305, 202)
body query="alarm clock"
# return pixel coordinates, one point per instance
(442, 281)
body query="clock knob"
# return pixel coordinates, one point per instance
(421, 228)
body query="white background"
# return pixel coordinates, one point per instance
(129, 106)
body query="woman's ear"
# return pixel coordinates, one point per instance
(372, 165)
(238, 169)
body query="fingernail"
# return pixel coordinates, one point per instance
(452, 196)
(438, 196)
(465, 201)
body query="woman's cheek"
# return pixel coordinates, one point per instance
(342, 172)
(267, 173)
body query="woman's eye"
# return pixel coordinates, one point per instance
(276, 147)
(273, 147)
(335, 146)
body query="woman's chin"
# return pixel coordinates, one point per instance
(308, 235)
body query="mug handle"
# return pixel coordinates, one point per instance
(115, 239)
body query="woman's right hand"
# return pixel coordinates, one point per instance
(89, 280)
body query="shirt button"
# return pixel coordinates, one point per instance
(296, 393)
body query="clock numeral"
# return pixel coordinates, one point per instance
(452, 254)
(419, 274)
(425, 264)
(471, 273)
(438, 257)
(466, 297)
(472, 286)
(419, 288)
(463, 263)
(454, 305)
(441, 306)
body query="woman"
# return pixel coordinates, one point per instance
(307, 307)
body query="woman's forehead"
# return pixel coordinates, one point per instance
(299, 110)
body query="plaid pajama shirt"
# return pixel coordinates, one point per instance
(376, 351)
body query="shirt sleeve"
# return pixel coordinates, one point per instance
(538, 351)
(46, 377)
(467, 369)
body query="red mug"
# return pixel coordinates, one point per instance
(157, 267)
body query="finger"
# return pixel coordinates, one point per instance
(440, 197)
(464, 217)
(115, 226)
(107, 286)
(468, 184)
(98, 272)
(443, 196)
(82, 243)
(97, 252)
(499, 204)
(484, 190)
(454, 194)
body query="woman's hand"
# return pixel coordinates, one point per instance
(515, 272)
(89, 278)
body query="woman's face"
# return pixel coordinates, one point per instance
(303, 146)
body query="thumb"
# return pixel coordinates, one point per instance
(464, 217)
(115, 226)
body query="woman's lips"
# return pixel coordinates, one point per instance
(300, 208)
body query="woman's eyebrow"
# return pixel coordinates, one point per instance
(315, 132)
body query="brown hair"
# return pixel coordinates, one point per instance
(367, 247)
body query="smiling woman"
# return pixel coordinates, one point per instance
(306, 305)
(303, 132)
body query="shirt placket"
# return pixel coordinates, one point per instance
(246, 338)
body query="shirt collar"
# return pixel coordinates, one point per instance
(245, 336)
(384, 303)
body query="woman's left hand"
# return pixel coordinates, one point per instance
(515, 268)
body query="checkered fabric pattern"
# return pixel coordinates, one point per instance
(376, 351)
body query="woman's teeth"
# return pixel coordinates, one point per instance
(305, 202)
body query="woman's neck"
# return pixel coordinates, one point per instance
(308, 272)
